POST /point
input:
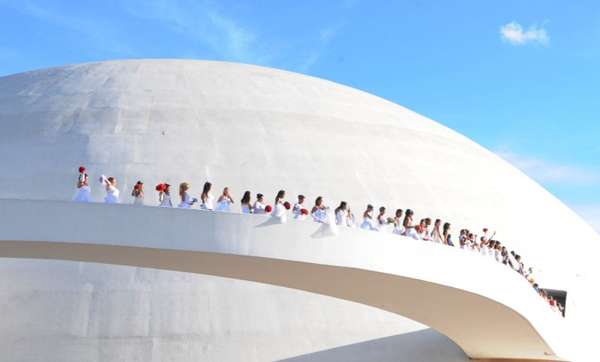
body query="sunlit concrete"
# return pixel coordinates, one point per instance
(259, 129)
(503, 319)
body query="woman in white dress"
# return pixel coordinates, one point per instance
(112, 192)
(498, 252)
(207, 201)
(225, 201)
(319, 211)
(259, 205)
(436, 233)
(138, 193)
(423, 229)
(381, 220)
(368, 222)
(246, 203)
(164, 195)
(341, 214)
(350, 220)
(84, 193)
(186, 200)
(409, 229)
(398, 229)
(279, 210)
(298, 207)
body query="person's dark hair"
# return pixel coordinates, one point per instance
(409, 212)
(382, 209)
(246, 198)
(437, 221)
(280, 195)
(399, 213)
(341, 207)
(446, 227)
(428, 221)
(259, 196)
(301, 197)
(318, 201)
(205, 190)
(369, 207)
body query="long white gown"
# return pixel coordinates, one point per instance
(350, 222)
(112, 195)
(187, 201)
(84, 193)
(279, 212)
(246, 209)
(165, 200)
(412, 233)
(209, 204)
(259, 207)
(224, 205)
(320, 215)
(297, 211)
(138, 200)
(368, 223)
(398, 229)
(341, 217)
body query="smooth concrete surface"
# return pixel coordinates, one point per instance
(259, 129)
(499, 316)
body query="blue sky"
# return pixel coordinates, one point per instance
(520, 77)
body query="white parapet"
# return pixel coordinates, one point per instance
(499, 316)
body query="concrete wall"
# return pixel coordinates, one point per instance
(260, 129)
(505, 317)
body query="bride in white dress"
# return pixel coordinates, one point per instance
(279, 211)
(246, 203)
(298, 207)
(319, 211)
(368, 222)
(207, 201)
(164, 195)
(138, 194)
(224, 201)
(398, 228)
(341, 215)
(84, 193)
(410, 229)
(186, 200)
(259, 205)
(112, 192)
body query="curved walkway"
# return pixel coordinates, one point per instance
(483, 307)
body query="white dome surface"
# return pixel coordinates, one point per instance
(249, 128)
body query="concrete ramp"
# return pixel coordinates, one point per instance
(484, 307)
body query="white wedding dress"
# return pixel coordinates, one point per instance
(112, 195)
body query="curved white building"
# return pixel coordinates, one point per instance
(259, 129)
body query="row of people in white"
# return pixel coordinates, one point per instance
(319, 212)
(342, 216)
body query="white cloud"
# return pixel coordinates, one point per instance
(514, 34)
(551, 172)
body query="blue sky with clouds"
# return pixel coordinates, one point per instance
(520, 77)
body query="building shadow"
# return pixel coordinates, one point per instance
(426, 345)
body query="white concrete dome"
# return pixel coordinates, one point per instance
(249, 128)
